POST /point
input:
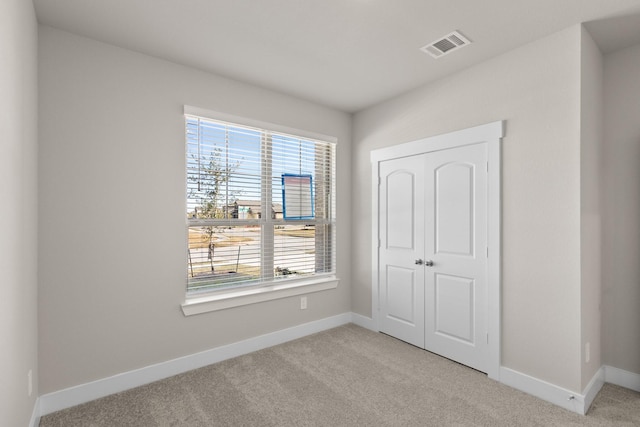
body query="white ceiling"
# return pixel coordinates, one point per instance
(346, 54)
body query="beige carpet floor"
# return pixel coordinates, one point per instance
(347, 376)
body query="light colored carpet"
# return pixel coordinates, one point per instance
(347, 376)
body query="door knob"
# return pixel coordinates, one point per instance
(429, 263)
(419, 262)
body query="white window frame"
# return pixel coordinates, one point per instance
(213, 300)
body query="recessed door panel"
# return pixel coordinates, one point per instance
(454, 208)
(401, 294)
(454, 306)
(400, 207)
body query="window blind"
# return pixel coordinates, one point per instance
(242, 185)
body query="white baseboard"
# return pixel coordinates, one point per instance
(622, 378)
(593, 388)
(559, 396)
(575, 402)
(83, 393)
(35, 415)
(362, 321)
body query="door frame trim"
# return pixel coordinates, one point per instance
(491, 134)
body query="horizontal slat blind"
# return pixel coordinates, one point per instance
(223, 163)
(239, 232)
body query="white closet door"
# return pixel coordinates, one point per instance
(401, 211)
(433, 252)
(455, 218)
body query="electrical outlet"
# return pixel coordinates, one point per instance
(30, 382)
(303, 303)
(587, 352)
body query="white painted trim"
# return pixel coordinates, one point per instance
(574, 402)
(622, 378)
(238, 297)
(593, 388)
(363, 322)
(491, 134)
(62, 399)
(375, 244)
(83, 393)
(35, 415)
(494, 243)
(483, 133)
(580, 403)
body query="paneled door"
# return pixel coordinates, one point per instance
(456, 301)
(401, 244)
(433, 252)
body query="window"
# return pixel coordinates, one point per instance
(260, 205)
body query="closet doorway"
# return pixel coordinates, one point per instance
(437, 251)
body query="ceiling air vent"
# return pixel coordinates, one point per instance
(445, 45)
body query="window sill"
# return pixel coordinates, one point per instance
(236, 298)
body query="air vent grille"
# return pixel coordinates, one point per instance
(446, 44)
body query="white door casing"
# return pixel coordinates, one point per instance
(460, 174)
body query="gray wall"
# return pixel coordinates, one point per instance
(621, 249)
(537, 90)
(112, 198)
(18, 211)
(591, 137)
